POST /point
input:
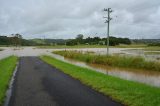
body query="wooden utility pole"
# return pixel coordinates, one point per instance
(44, 37)
(108, 10)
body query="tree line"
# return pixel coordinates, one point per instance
(97, 41)
(17, 39)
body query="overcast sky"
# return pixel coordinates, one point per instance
(67, 18)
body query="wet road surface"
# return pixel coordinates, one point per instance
(39, 84)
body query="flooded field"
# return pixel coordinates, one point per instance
(150, 78)
(148, 55)
(32, 51)
(151, 55)
(23, 51)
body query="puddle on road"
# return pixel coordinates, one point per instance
(151, 78)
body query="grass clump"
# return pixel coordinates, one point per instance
(7, 66)
(93, 46)
(127, 92)
(75, 46)
(152, 48)
(115, 61)
(152, 53)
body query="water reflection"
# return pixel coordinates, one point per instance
(150, 78)
(150, 55)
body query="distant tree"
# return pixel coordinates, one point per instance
(4, 40)
(96, 40)
(16, 39)
(124, 41)
(71, 42)
(116, 41)
(19, 40)
(88, 40)
(113, 41)
(79, 38)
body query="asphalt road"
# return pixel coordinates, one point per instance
(39, 84)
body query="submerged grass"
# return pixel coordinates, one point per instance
(152, 48)
(127, 92)
(93, 46)
(75, 46)
(116, 61)
(7, 66)
(152, 53)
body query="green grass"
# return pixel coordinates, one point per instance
(131, 46)
(7, 66)
(127, 92)
(152, 53)
(113, 61)
(152, 48)
(142, 46)
(76, 46)
(93, 46)
(1, 49)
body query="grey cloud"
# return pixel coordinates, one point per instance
(67, 18)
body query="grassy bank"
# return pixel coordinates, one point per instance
(7, 66)
(152, 53)
(76, 46)
(93, 46)
(131, 46)
(152, 48)
(115, 61)
(127, 92)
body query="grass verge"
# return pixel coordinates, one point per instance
(115, 61)
(7, 66)
(76, 46)
(152, 53)
(152, 48)
(127, 92)
(93, 46)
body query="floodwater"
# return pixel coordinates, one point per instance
(23, 51)
(153, 56)
(123, 51)
(151, 78)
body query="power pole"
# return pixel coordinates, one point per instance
(108, 10)
(44, 37)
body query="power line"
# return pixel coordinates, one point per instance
(108, 10)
